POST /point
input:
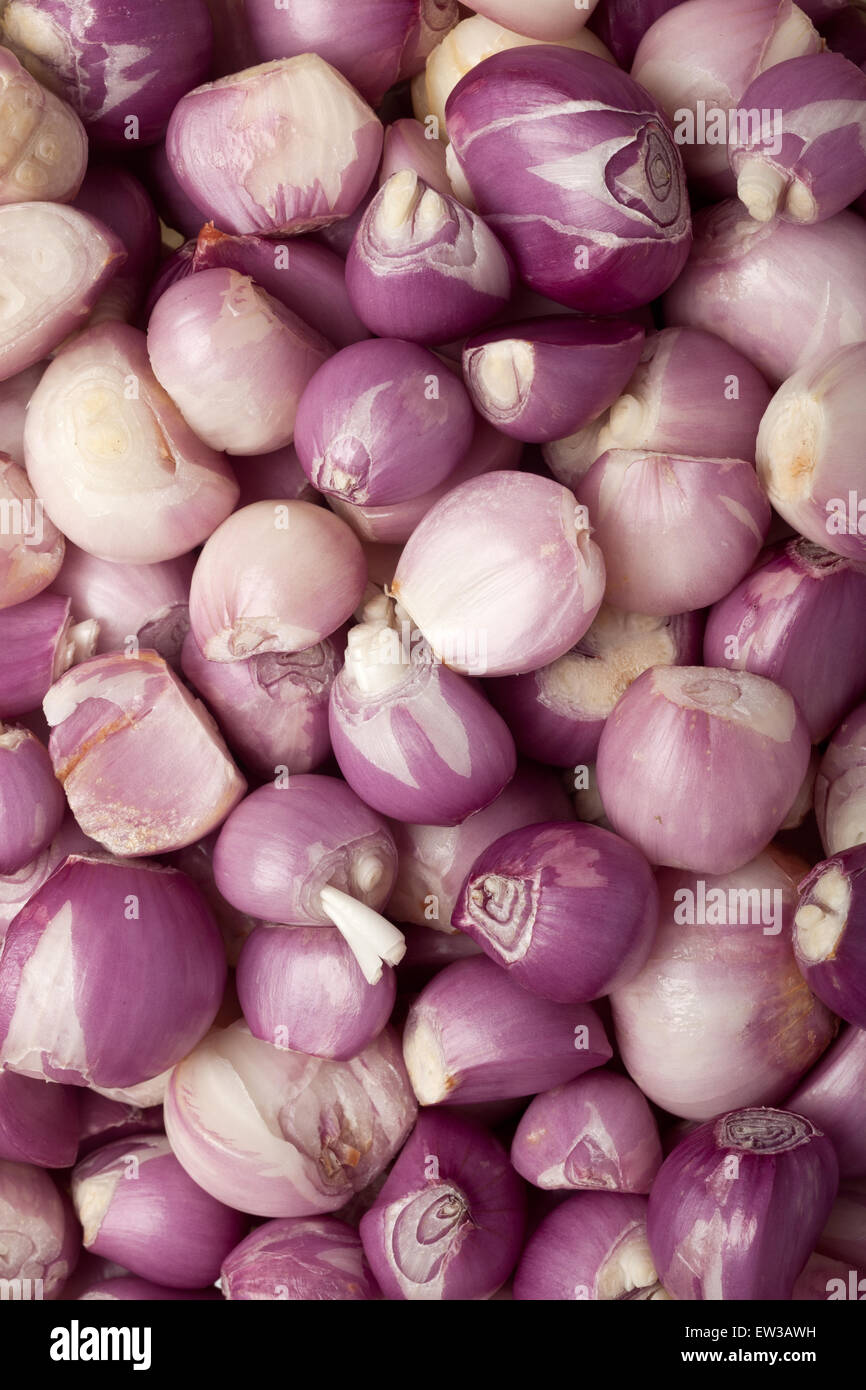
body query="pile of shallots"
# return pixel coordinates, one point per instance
(432, 649)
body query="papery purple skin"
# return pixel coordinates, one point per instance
(102, 1121)
(738, 1206)
(543, 378)
(720, 1015)
(830, 933)
(644, 505)
(407, 146)
(785, 296)
(300, 1259)
(470, 580)
(302, 988)
(17, 888)
(824, 1279)
(279, 1133)
(833, 1096)
(233, 359)
(306, 278)
(840, 787)
(114, 196)
(844, 1236)
(595, 1132)
(15, 393)
(592, 1246)
(41, 1236)
(142, 969)
(142, 762)
(427, 745)
(38, 643)
(32, 804)
(423, 267)
(697, 70)
(601, 233)
(433, 860)
(140, 1208)
(556, 714)
(272, 709)
(39, 1121)
(382, 422)
(296, 106)
(122, 68)
(130, 1287)
(284, 844)
(45, 145)
(386, 41)
(488, 451)
(621, 24)
(810, 161)
(275, 474)
(43, 314)
(448, 1223)
(137, 487)
(691, 394)
(473, 1034)
(147, 602)
(798, 620)
(568, 911)
(718, 738)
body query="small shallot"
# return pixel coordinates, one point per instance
(474, 1035)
